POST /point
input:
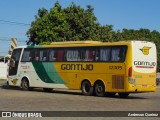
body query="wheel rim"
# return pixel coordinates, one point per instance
(99, 89)
(25, 85)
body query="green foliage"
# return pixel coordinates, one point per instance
(69, 24)
(74, 23)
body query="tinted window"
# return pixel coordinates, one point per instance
(113, 53)
(102, 54)
(87, 54)
(57, 55)
(16, 54)
(105, 53)
(118, 54)
(43, 55)
(26, 55)
(72, 55)
(31, 55)
(82, 54)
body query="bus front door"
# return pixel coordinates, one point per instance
(13, 66)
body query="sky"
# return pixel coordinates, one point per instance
(130, 14)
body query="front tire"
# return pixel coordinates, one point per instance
(87, 89)
(25, 84)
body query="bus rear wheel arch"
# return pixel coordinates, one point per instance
(25, 84)
(99, 88)
(87, 88)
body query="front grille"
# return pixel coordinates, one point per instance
(117, 82)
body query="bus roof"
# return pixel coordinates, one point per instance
(83, 43)
(75, 42)
(87, 43)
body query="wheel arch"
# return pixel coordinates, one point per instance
(25, 77)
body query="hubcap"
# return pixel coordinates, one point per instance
(25, 85)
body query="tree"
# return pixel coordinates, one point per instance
(106, 33)
(48, 26)
(71, 23)
(42, 12)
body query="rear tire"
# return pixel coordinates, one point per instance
(87, 89)
(99, 89)
(25, 84)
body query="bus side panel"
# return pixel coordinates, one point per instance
(74, 73)
(112, 74)
(69, 73)
(41, 74)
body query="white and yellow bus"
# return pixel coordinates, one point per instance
(97, 68)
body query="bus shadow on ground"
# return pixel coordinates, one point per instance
(72, 92)
(40, 90)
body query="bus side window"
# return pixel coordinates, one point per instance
(105, 54)
(36, 57)
(32, 55)
(82, 55)
(115, 54)
(118, 54)
(72, 55)
(122, 54)
(43, 55)
(95, 55)
(60, 55)
(26, 57)
(52, 55)
(88, 54)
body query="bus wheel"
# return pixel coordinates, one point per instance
(99, 89)
(25, 84)
(87, 89)
(123, 95)
(47, 89)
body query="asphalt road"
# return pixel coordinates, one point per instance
(15, 99)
